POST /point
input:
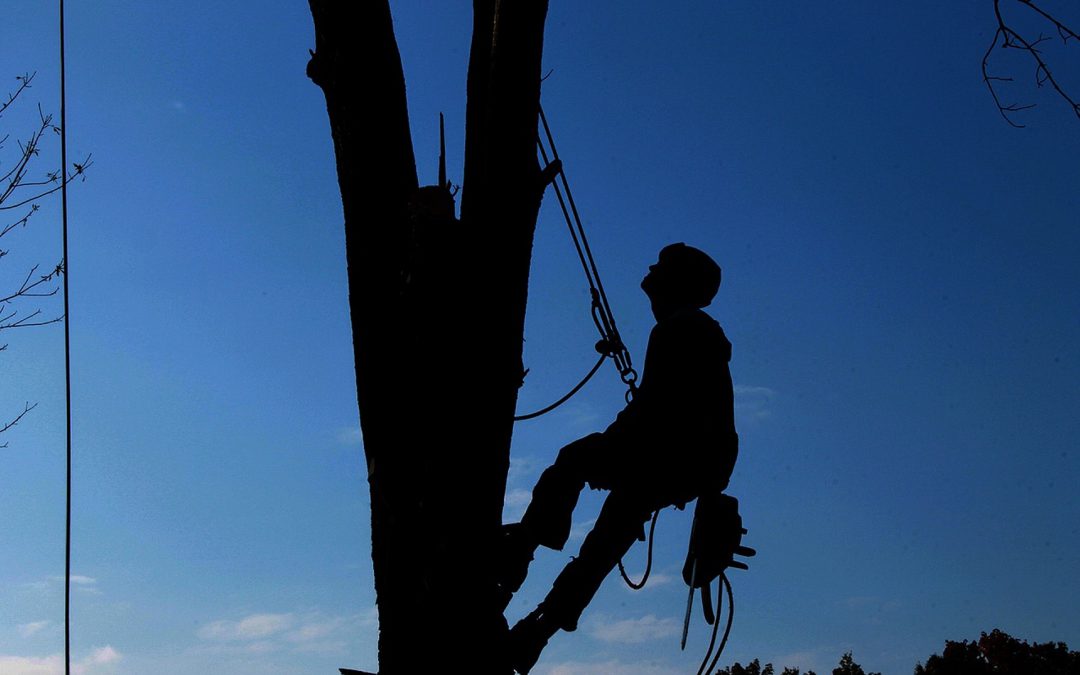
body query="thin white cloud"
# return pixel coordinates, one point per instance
(580, 415)
(520, 469)
(753, 402)
(517, 498)
(83, 584)
(369, 618)
(316, 629)
(635, 631)
(252, 627)
(514, 504)
(655, 580)
(579, 530)
(870, 603)
(350, 436)
(751, 390)
(79, 583)
(32, 628)
(260, 647)
(804, 661)
(32, 665)
(98, 662)
(310, 632)
(860, 601)
(102, 656)
(606, 668)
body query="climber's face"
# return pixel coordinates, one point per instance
(682, 277)
(657, 279)
(648, 284)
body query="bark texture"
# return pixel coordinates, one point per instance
(438, 309)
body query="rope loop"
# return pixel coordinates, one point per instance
(566, 397)
(637, 586)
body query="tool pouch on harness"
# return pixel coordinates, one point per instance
(715, 540)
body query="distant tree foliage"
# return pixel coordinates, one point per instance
(847, 666)
(998, 653)
(752, 668)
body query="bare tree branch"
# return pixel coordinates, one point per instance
(24, 83)
(22, 221)
(26, 408)
(26, 289)
(1009, 36)
(20, 194)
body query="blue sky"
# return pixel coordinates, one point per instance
(900, 288)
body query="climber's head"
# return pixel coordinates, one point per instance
(683, 277)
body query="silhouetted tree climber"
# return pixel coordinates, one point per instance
(674, 442)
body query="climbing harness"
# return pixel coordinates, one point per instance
(610, 343)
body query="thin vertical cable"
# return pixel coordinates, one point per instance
(67, 350)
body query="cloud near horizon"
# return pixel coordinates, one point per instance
(612, 667)
(514, 504)
(28, 629)
(266, 632)
(98, 662)
(752, 402)
(634, 631)
(251, 627)
(79, 583)
(350, 436)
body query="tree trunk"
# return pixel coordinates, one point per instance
(438, 309)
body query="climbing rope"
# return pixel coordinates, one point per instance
(568, 395)
(725, 584)
(611, 341)
(610, 344)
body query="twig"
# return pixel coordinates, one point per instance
(24, 83)
(1011, 38)
(26, 408)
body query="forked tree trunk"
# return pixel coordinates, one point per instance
(438, 310)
